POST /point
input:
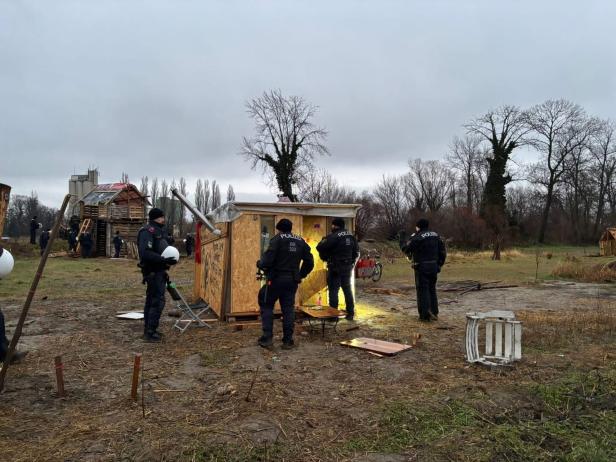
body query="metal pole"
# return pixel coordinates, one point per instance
(28, 302)
(190, 206)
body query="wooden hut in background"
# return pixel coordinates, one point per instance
(225, 264)
(607, 243)
(5, 192)
(113, 207)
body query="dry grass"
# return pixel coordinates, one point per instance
(548, 330)
(571, 268)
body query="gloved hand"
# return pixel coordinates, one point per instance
(170, 261)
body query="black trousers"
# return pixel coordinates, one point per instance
(117, 251)
(4, 342)
(281, 289)
(32, 237)
(189, 250)
(154, 300)
(337, 279)
(427, 302)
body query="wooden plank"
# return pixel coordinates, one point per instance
(246, 248)
(378, 346)
(325, 312)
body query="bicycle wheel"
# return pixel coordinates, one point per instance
(377, 273)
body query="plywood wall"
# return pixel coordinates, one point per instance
(246, 250)
(210, 274)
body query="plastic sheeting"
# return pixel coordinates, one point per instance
(231, 211)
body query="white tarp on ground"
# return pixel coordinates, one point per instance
(232, 210)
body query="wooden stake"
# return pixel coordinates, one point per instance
(135, 384)
(252, 384)
(142, 390)
(35, 281)
(60, 376)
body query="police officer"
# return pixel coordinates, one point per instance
(44, 239)
(117, 244)
(4, 342)
(340, 250)
(281, 265)
(190, 244)
(86, 242)
(72, 241)
(152, 242)
(33, 227)
(428, 252)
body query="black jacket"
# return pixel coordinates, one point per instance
(44, 239)
(283, 257)
(151, 242)
(117, 241)
(339, 249)
(427, 250)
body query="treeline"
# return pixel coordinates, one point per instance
(477, 196)
(206, 197)
(22, 209)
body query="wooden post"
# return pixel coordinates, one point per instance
(30, 297)
(60, 376)
(135, 384)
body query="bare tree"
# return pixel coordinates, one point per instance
(215, 196)
(230, 194)
(466, 156)
(389, 196)
(163, 199)
(206, 197)
(154, 191)
(366, 216)
(144, 186)
(554, 125)
(199, 195)
(171, 210)
(124, 178)
(433, 180)
(318, 185)
(286, 139)
(184, 192)
(504, 128)
(603, 151)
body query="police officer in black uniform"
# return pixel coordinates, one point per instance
(33, 227)
(190, 244)
(341, 251)
(44, 239)
(152, 242)
(427, 250)
(117, 244)
(281, 265)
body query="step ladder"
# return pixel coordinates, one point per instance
(84, 227)
(189, 312)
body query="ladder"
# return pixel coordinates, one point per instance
(84, 227)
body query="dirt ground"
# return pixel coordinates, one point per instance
(318, 402)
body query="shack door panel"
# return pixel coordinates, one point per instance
(246, 250)
(314, 287)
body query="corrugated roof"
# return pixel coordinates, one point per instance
(232, 210)
(105, 193)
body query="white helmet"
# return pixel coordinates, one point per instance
(6, 262)
(171, 252)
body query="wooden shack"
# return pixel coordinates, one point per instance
(225, 264)
(113, 207)
(5, 192)
(607, 243)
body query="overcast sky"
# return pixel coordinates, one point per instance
(158, 88)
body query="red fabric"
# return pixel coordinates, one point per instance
(198, 244)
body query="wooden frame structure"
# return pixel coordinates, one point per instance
(113, 207)
(225, 264)
(607, 243)
(5, 193)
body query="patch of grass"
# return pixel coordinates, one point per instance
(235, 453)
(405, 424)
(573, 269)
(550, 331)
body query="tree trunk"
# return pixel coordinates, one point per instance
(546, 213)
